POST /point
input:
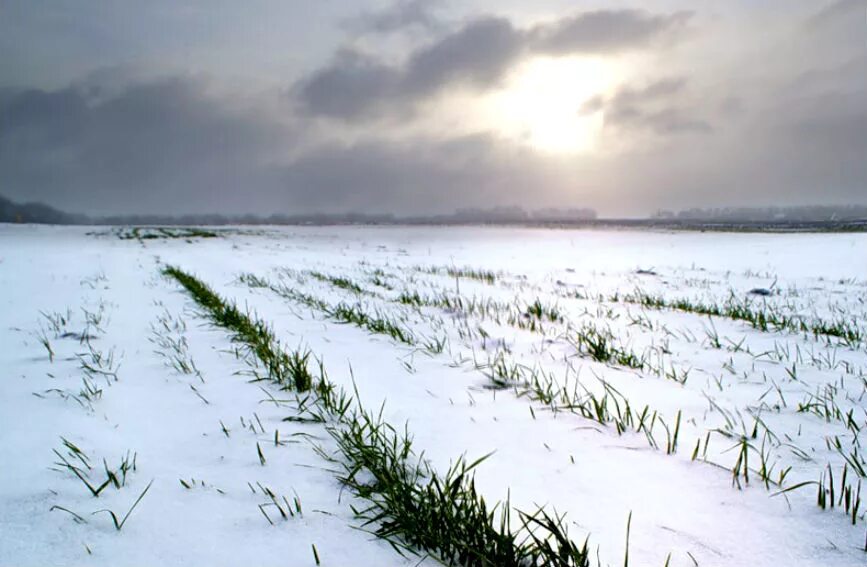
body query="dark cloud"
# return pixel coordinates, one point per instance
(402, 15)
(423, 175)
(848, 76)
(430, 175)
(827, 128)
(606, 31)
(476, 55)
(851, 11)
(664, 122)
(354, 85)
(656, 107)
(148, 146)
(657, 90)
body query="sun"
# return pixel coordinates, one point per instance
(540, 104)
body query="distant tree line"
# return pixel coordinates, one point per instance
(39, 213)
(36, 213)
(818, 213)
(852, 217)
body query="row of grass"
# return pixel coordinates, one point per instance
(337, 281)
(354, 314)
(409, 504)
(251, 332)
(762, 317)
(414, 508)
(467, 272)
(155, 233)
(530, 318)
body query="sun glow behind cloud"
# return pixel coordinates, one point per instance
(540, 104)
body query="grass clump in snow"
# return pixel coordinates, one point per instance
(486, 276)
(119, 523)
(78, 463)
(280, 503)
(379, 280)
(601, 346)
(81, 468)
(57, 321)
(168, 334)
(542, 311)
(252, 332)
(95, 363)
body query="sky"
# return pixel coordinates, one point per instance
(427, 106)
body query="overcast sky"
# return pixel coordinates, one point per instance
(425, 106)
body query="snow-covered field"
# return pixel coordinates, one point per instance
(584, 362)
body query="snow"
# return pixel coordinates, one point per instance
(689, 509)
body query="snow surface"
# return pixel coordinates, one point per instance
(172, 421)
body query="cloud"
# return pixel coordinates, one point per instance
(353, 86)
(608, 31)
(799, 144)
(171, 146)
(770, 128)
(652, 92)
(379, 175)
(655, 107)
(841, 11)
(477, 55)
(826, 131)
(400, 16)
(427, 175)
(148, 146)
